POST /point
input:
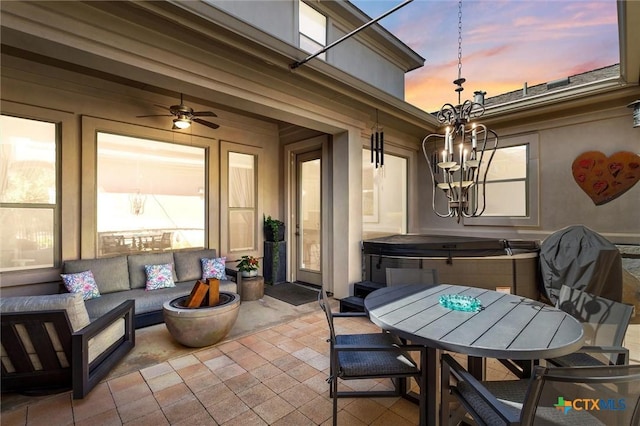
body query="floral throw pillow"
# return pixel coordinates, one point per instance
(213, 268)
(159, 276)
(81, 282)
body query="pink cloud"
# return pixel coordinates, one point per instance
(504, 43)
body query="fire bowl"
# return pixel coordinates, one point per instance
(203, 326)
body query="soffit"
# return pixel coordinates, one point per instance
(134, 40)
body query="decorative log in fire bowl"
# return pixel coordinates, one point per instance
(201, 325)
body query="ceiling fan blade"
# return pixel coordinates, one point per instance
(154, 115)
(206, 123)
(204, 114)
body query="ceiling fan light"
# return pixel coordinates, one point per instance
(181, 123)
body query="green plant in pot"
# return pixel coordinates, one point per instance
(274, 232)
(273, 229)
(248, 266)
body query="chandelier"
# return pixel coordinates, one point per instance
(460, 158)
(136, 203)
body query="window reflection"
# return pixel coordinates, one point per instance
(28, 187)
(242, 204)
(150, 195)
(507, 182)
(384, 196)
(313, 29)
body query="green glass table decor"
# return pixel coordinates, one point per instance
(458, 302)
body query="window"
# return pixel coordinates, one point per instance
(242, 213)
(151, 195)
(28, 194)
(512, 189)
(384, 196)
(507, 182)
(313, 29)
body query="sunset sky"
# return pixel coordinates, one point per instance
(504, 43)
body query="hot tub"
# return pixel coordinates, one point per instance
(492, 263)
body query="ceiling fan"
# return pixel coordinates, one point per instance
(184, 116)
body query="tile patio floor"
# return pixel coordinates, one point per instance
(272, 377)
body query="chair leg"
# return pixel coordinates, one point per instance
(425, 366)
(401, 385)
(444, 394)
(334, 387)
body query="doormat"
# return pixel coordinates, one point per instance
(292, 293)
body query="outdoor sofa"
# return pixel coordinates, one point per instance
(123, 278)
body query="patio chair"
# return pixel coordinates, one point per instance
(163, 242)
(370, 356)
(605, 324)
(113, 244)
(602, 395)
(49, 345)
(397, 276)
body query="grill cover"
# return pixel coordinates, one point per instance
(582, 259)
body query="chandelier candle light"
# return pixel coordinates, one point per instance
(458, 157)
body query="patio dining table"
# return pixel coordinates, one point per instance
(506, 327)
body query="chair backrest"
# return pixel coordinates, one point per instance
(607, 395)
(397, 276)
(323, 300)
(605, 322)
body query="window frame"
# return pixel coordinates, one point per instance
(251, 210)
(225, 148)
(90, 127)
(300, 33)
(532, 186)
(66, 141)
(108, 137)
(53, 207)
(411, 197)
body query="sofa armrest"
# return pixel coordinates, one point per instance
(234, 275)
(85, 374)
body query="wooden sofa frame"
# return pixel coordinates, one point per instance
(80, 375)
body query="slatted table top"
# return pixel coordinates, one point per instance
(508, 326)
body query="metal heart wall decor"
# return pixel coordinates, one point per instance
(606, 178)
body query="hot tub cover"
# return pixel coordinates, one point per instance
(582, 259)
(445, 246)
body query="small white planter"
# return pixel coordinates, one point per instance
(246, 274)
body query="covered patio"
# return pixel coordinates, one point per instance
(270, 370)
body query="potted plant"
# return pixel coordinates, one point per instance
(273, 229)
(248, 266)
(274, 244)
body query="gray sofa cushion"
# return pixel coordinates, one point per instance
(188, 265)
(70, 302)
(146, 301)
(137, 275)
(111, 273)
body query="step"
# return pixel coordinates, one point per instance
(363, 288)
(352, 304)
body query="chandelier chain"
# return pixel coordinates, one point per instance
(460, 39)
(460, 80)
